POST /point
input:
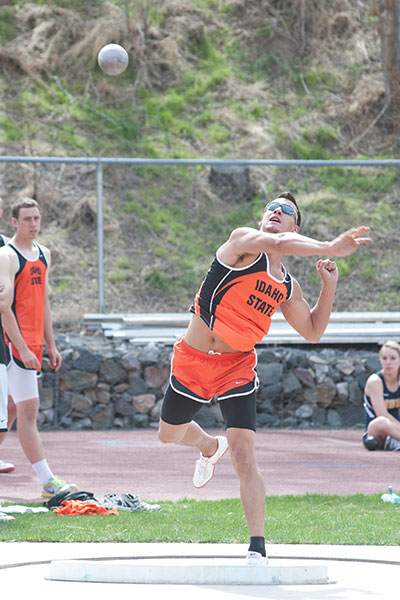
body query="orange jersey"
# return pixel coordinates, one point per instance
(238, 303)
(28, 302)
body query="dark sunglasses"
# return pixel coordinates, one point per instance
(286, 208)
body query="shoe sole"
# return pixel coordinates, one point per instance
(7, 470)
(48, 495)
(198, 487)
(257, 563)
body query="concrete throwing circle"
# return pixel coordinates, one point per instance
(189, 571)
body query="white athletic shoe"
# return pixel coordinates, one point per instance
(256, 559)
(5, 517)
(205, 466)
(392, 444)
(6, 467)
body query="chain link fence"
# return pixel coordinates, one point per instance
(137, 235)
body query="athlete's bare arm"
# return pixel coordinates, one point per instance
(311, 323)
(54, 355)
(245, 244)
(6, 281)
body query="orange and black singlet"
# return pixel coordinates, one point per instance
(28, 302)
(238, 303)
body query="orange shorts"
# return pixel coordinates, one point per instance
(202, 376)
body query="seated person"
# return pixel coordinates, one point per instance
(382, 401)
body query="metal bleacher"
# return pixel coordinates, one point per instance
(343, 328)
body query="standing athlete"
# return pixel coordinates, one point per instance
(27, 327)
(216, 357)
(5, 304)
(6, 293)
(5, 467)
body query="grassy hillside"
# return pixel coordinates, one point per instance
(209, 79)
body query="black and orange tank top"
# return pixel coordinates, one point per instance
(28, 301)
(238, 303)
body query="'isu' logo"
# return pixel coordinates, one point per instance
(36, 275)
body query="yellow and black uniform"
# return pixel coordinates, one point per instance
(392, 404)
(237, 304)
(28, 302)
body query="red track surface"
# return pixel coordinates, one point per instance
(292, 462)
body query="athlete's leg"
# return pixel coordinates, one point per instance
(239, 414)
(28, 434)
(7, 416)
(11, 416)
(381, 427)
(190, 434)
(24, 403)
(252, 488)
(177, 426)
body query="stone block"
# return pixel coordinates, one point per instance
(144, 403)
(155, 376)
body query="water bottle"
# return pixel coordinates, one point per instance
(391, 497)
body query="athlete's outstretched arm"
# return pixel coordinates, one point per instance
(246, 240)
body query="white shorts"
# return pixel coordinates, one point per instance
(22, 383)
(3, 398)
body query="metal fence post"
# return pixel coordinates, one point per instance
(100, 233)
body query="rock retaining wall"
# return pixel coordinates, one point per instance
(103, 384)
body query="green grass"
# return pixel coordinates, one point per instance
(11, 129)
(312, 519)
(8, 26)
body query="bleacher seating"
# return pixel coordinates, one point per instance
(343, 327)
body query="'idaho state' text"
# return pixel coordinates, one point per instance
(261, 304)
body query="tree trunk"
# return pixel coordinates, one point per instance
(389, 32)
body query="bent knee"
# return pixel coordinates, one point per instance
(169, 434)
(164, 438)
(379, 426)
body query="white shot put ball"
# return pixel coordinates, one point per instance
(113, 59)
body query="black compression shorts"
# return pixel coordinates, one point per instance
(237, 411)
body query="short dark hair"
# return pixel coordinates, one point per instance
(23, 203)
(289, 196)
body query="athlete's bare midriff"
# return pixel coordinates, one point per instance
(202, 338)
